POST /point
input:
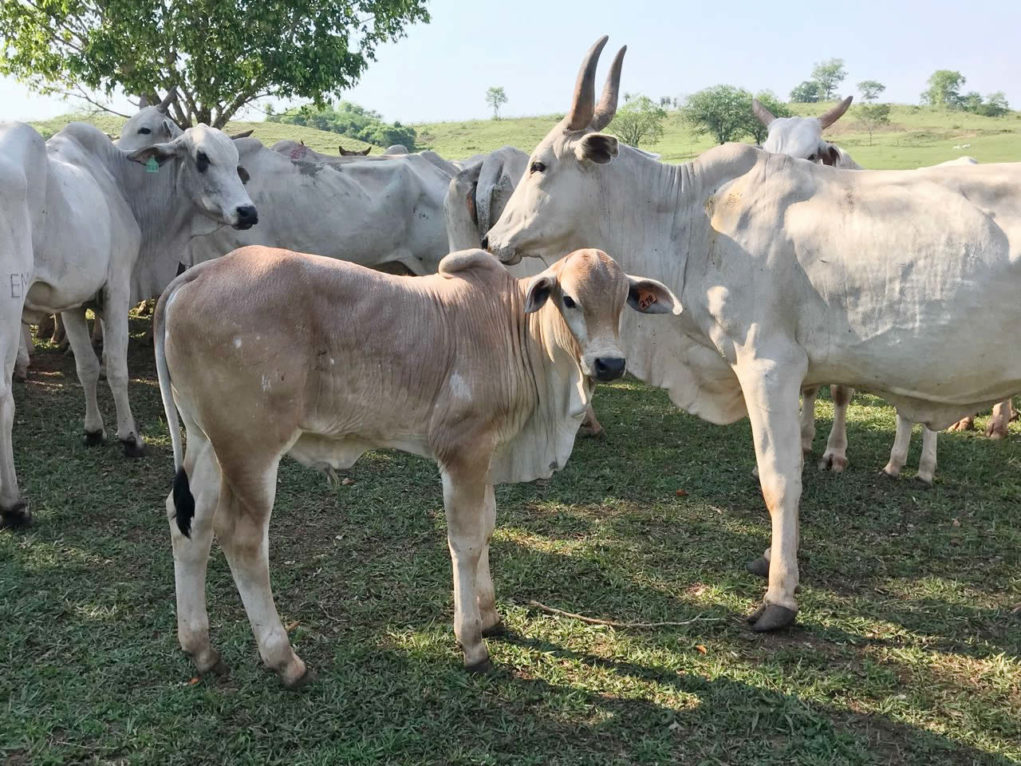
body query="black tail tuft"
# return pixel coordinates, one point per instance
(184, 503)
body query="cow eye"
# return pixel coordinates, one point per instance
(813, 157)
(202, 161)
(538, 167)
(144, 131)
(569, 302)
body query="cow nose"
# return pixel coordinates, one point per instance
(609, 367)
(248, 216)
(485, 242)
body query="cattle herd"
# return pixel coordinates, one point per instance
(739, 282)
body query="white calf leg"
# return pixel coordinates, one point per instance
(115, 351)
(899, 451)
(927, 463)
(87, 367)
(835, 456)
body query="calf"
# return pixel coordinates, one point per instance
(266, 352)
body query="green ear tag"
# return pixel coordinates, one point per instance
(151, 166)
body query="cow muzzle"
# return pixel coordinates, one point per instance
(607, 368)
(247, 217)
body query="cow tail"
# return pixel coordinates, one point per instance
(184, 501)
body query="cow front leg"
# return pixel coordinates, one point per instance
(492, 625)
(87, 366)
(835, 456)
(808, 418)
(770, 389)
(1002, 415)
(590, 425)
(25, 349)
(927, 463)
(191, 552)
(899, 451)
(13, 510)
(465, 500)
(115, 324)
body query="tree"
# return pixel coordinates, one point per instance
(807, 92)
(721, 111)
(944, 89)
(829, 74)
(352, 120)
(219, 55)
(870, 90)
(495, 97)
(639, 119)
(873, 116)
(753, 126)
(995, 106)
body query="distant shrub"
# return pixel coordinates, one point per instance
(351, 120)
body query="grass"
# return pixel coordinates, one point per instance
(907, 650)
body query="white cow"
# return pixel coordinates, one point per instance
(79, 211)
(790, 275)
(368, 211)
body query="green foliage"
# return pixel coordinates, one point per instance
(639, 119)
(995, 105)
(220, 55)
(496, 97)
(873, 116)
(829, 74)
(725, 113)
(352, 120)
(870, 90)
(944, 89)
(807, 92)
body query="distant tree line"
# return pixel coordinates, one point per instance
(351, 120)
(945, 91)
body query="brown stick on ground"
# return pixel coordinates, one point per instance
(611, 623)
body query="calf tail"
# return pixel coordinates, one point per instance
(184, 502)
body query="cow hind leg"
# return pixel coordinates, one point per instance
(835, 456)
(927, 463)
(87, 367)
(13, 510)
(115, 326)
(199, 480)
(242, 526)
(808, 418)
(1002, 415)
(899, 451)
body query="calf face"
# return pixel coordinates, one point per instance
(589, 290)
(208, 174)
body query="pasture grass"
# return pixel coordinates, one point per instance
(907, 648)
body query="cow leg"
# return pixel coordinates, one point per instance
(87, 365)
(46, 327)
(192, 553)
(808, 418)
(899, 451)
(115, 352)
(835, 456)
(97, 331)
(927, 463)
(465, 497)
(1002, 415)
(770, 389)
(591, 426)
(25, 349)
(13, 511)
(484, 589)
(964, 424)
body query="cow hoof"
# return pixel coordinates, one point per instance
(94, 438)
(300, 682)
(923, 483)
(996, 434)
(485, 667)
(16, 517)
(887, 474)
(20, 373)
(834, 463)
(497, 631)
(758, 566)
(133, 447)
(771, 617)
(592, 433)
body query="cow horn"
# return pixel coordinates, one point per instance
(242, 134)
(583, 104)
(168, 99)
(765, 116)
(835, 113)
(607, 106)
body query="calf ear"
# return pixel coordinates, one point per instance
(159, 152)
(596, 147)
(651, 297)
(538, 291)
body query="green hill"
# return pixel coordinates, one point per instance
(916, 136)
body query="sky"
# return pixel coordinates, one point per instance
(532, 48)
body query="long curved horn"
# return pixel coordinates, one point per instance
(765, 116)
(168, 99)
(607, 106)
(583, 104)
(242, 134)
(835, 113)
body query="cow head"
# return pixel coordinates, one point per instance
(207, 169)
(150, 126)
(554, 196)
(589, 291)
(801, 137)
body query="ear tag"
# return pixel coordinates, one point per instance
(151, 166)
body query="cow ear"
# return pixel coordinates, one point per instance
(830, 155)
(651, 297)
(538, 291)
(596, 147)
(169, 128)
(243, 175)
(159, 152)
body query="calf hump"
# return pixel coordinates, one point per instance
(469, 260)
